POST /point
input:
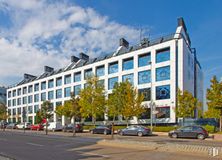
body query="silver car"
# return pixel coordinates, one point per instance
(134, 130)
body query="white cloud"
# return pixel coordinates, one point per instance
(48, 33)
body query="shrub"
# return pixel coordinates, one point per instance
(210, 129)
(163, 128)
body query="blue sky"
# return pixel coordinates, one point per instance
(37, 33)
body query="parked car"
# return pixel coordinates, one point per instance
(189, 132)
(26, 125)
(37, 127)
(54, 126)
(135, 130)
(11, 126)
(103, 129)
(69, 128)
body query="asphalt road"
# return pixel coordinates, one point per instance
(21, 146)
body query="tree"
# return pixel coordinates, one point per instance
(92, 99)
(125, 101)
(38, 118)
(46, 113)
(133, 100)
(187, 103)
(3, 113)
(70, 109)
(214, 100)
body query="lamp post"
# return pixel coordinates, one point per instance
(151, 99)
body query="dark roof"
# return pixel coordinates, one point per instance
(83, 62)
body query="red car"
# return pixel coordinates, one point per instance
(37, 127)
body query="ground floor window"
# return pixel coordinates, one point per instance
(163, 112)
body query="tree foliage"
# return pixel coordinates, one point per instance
(125, 101)
(92, 99)
(214, 100)
(3, 111)
(187, 103)
(46, 112)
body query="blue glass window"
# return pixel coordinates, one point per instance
(30, 109)
(43, 85)
(19, 91)
(58, 81)
(29, 99)
(24, 100)
(67, 92)
(88, 73)
(24, 91)
(112, 82)
(19, 101)
(77, 77)
(100, 71)
(36, 108)
(163, 55)
(127, 64)
(144, 60)
(113, 67)
(128, 77)
(67, 79)
(59, 93)
(146, 93)
(51, 83)
(36, 97)
(163, 73)
(14, 102)
(50, 95)
(30, 89)
(163, 92)
(144, 77)
(14, 93)
(9, 94)
(43, 96)
(101, 82)
(36, 87)
(77, 89)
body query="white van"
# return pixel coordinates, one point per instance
(54, 126)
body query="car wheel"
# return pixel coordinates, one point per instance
(92, 132)
(200, 136)
(140, 134)
(174, 135)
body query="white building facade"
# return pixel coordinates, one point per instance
(155, 67)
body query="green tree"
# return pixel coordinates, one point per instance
(70, 109)
(133, 100)
(3, 112)
(92, 99)
(46, 112)
(38, 117)
(214, 100)
(187, 103)
(125, 101)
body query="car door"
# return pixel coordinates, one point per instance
(187, 132)
(131, 130)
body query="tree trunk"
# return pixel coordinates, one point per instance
(46, 128)
(94, 121)
(112, 132)
(127, 122)
(74, 126)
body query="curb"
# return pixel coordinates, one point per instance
(167, 147)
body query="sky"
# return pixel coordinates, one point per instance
(35, 33)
